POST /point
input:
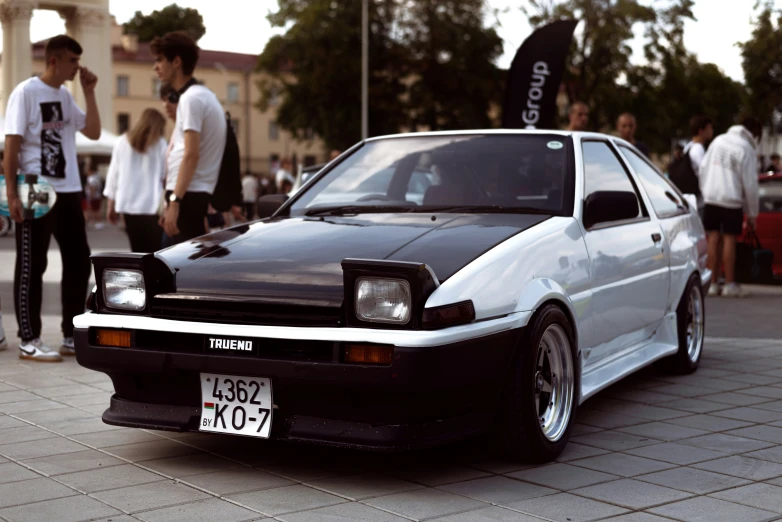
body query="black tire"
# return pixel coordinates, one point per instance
(685, 360)
(519, 432)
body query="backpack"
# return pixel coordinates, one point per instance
(228, 191)
(683, 176)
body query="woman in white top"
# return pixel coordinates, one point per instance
(134, 183)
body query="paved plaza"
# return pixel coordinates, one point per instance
(654, 447)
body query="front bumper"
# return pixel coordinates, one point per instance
(427, 396)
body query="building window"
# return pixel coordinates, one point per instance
(309, 134)
(274, 131)
(235, 126)
(122, 85)
(233, 93)
(274, 96)
(123, 122)
(156, 87)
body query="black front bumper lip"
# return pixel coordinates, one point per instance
(306, 428)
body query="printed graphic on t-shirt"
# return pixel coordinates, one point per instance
(52, 157)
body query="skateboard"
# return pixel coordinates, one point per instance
(37, 195)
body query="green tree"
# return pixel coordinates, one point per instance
(452, 61)
(431, 64)
(170, 18)
(600, 53)
(664, 92)
(315, 70)
(762, 64)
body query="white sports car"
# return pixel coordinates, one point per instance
(537, 268)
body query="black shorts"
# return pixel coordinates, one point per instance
(720, 219)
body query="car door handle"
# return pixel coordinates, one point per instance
(656, 237)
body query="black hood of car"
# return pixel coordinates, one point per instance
(298, 260)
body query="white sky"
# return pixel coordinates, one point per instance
(243, 27)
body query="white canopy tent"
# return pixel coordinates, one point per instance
(100, 147)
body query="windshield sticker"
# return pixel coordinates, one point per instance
(556, 145)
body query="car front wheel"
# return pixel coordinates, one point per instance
(540, 402)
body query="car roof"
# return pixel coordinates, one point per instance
(579, 134)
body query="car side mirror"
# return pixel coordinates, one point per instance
(607, 206)
(268, 205)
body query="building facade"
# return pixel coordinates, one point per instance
(128, 85)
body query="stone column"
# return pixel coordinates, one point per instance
(90, 26)
(17, 62)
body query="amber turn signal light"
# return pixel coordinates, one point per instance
(116, 338)
(368, 354)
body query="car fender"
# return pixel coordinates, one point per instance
(544, 290)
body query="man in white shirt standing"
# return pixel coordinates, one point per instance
(702, 131)
(197, 143)
(250, 188)
(729, 186)
(41, 121)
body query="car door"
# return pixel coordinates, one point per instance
(628, 260)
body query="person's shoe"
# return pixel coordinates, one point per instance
(3, 341)
(35, 350)
(733, 290)
(714, 290)
(67, 347)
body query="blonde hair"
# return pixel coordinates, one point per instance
(148, 129)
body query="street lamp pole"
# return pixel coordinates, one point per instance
(365, 70)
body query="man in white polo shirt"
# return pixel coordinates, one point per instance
(41, 121)
(197, 143)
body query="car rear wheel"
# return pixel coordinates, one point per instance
(540, 402)
(690, 325)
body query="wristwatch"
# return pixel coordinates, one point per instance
(173, 198)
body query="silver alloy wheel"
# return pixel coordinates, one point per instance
(554, 382)
(694, 322)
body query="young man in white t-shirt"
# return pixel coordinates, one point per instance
(41, 121)
(197, 143)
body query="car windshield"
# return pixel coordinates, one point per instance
(480, 173)
(770, 195)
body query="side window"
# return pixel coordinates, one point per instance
(609, 193)
(665, 200)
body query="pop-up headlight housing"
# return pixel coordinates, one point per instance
(127, 281)
(392, 295)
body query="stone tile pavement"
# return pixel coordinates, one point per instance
(654, 447)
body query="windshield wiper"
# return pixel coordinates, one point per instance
(487, 209)
(342, 210)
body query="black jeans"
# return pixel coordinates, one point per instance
(66, 222)
(143, 232)
(192, 211)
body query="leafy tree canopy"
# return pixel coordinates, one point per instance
(431, 64)
(663, 93)
(170, 18)
(762, 64)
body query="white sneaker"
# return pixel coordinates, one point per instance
(67, 347)
(714, 290)
(733, 290)
(35, 350)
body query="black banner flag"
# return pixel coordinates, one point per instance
(534, 77)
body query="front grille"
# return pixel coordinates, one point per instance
(227, 312)
(277, 349)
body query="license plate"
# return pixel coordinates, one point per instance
(236, 405)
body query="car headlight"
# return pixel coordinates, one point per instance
(124, 289)
(383, 300)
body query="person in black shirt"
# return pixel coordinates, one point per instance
(626, 126)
